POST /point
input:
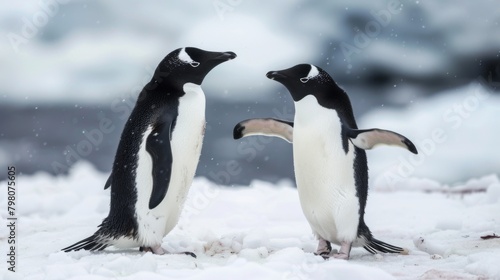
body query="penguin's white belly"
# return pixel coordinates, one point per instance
(186, 143)
(325, 174)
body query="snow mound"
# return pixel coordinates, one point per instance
(454, 133)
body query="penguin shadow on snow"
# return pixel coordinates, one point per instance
(157, 155)
(329, 156)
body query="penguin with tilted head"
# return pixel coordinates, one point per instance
(329, 158)
(157, 155)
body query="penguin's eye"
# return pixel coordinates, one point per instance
(194, 64)
(304, 80)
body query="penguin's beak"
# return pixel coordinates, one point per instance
(225, 56)
(273, 75)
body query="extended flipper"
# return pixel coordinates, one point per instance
(368, 138)
(158, 146)
(268, 127)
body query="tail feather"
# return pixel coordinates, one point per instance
(92, 243)
(374, 245)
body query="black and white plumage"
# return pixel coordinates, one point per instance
(157, 155)
(329, 158)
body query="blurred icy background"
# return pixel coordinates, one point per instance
(67, 66)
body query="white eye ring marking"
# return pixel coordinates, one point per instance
(312, 73)
(183, 56)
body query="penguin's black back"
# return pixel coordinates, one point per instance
(154, 100)
(156, 108)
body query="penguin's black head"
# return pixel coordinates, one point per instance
(188, 65)
(304, 79)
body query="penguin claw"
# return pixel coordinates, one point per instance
(190, 254)
(324, 255)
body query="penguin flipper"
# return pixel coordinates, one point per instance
(267, 127)
(368, 138)
(108, 182)
(158, 146)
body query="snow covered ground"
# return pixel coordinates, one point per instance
(257, 232)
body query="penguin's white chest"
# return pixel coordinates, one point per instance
(324, 172)
(186, 142)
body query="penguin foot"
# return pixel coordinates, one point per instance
(345, 250)
(158, 250)
(326, 255)
(324, 249)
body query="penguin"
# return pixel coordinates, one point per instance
(329, 158)
(157, 155)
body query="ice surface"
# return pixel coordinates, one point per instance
(256, 232)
